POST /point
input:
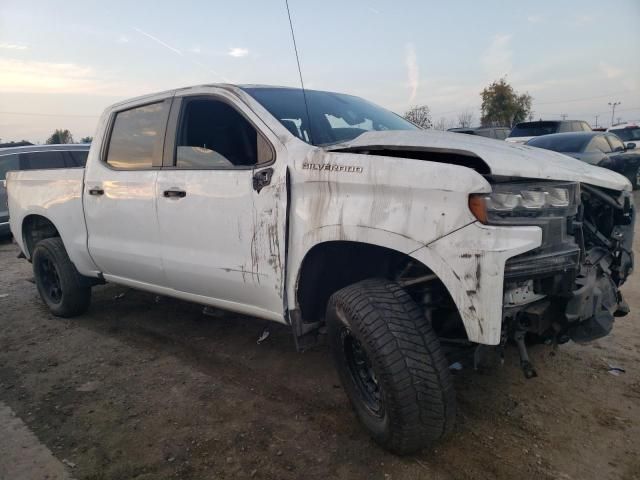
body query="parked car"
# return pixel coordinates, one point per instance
(499, 133)
(330, 214)
(596, 148)
(35, 157)
(525, 131)
(628, 133)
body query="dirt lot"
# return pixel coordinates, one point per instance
(148, 388)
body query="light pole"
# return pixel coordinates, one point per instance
(597, 120)
(613, 110)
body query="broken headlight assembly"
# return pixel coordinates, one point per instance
(509, 202)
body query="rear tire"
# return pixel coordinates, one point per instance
(391, 365)
(61, 287)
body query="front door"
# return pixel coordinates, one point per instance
(120, 196)
(222, 207)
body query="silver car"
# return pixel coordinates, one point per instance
(36, 157)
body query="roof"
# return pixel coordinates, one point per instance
(44, 148)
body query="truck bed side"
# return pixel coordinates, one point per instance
(55, 195)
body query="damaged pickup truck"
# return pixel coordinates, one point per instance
(329, 214)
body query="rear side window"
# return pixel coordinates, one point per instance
(599, 144)
(137, 137)
(43, 160)
(7, 164)
(78, 157)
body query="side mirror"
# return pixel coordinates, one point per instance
(631, 146)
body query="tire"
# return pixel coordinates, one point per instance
(61, 287)
(406, 401)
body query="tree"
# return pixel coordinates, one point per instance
(86, 140)
(465, 119)
(503, 106)
(443, 124)
(60, 136)
(420, 115)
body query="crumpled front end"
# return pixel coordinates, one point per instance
(568, 288)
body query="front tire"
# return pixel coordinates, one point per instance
(60, 286)
(391, 365)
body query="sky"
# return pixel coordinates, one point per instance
(62, 63)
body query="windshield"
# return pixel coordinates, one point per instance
(334, 117)
(627, 134)
(534, 129)
(561, 143)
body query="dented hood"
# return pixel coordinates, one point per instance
(505, 159)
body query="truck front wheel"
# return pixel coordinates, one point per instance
(60, 286)
(391, 365)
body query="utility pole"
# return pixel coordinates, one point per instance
(597, 120)
(613, 110)
(619, 121)
(563, 116)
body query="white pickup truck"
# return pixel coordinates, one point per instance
(399, 247)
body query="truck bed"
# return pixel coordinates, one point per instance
(55, 194)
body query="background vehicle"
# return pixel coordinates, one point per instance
(601, 149)
(35, 157)
(499, 133)
(525, 131)
(319, 209)
(628, 133)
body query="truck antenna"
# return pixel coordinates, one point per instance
(295, 48)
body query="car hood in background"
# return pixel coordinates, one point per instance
(518, 139)
(505, 159)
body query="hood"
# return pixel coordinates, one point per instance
(502, 158)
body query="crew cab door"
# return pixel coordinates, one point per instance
(120, 194)
(221, 199)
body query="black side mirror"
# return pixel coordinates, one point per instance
(631, 146)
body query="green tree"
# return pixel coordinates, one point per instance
(86, 140)
(419, 115)
(60, 136)
(503, 106)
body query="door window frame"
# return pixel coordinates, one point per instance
(155, 163)
(176, 114)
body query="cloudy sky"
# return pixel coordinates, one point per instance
(61, 63)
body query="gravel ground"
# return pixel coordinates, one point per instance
(147, 388)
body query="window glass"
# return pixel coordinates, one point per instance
(599, 144)
(7, 164)
(213, 134)
(586, 127)
(560, 142)
(326, 118)
(42, 160)
(534, 129)
(628, 134)
(616, 143)
(79, 157)
(137, 136)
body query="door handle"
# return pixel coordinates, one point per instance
(96, 191)
(174, 193)
(262, 178)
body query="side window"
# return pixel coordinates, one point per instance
(212, 134)
(78, 157)
(616, 143)
(42, 160)
(586, 127)
(599, 144)
(8, 163)
(564, 127)
(137, 137)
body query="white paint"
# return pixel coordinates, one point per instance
(223, 244)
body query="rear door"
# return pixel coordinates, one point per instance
(222, 205)
(120, 194)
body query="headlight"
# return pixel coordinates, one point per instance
(522, 200)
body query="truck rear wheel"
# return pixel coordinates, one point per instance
(60, 286)
(391, 365)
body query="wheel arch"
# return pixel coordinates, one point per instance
(36, 227)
